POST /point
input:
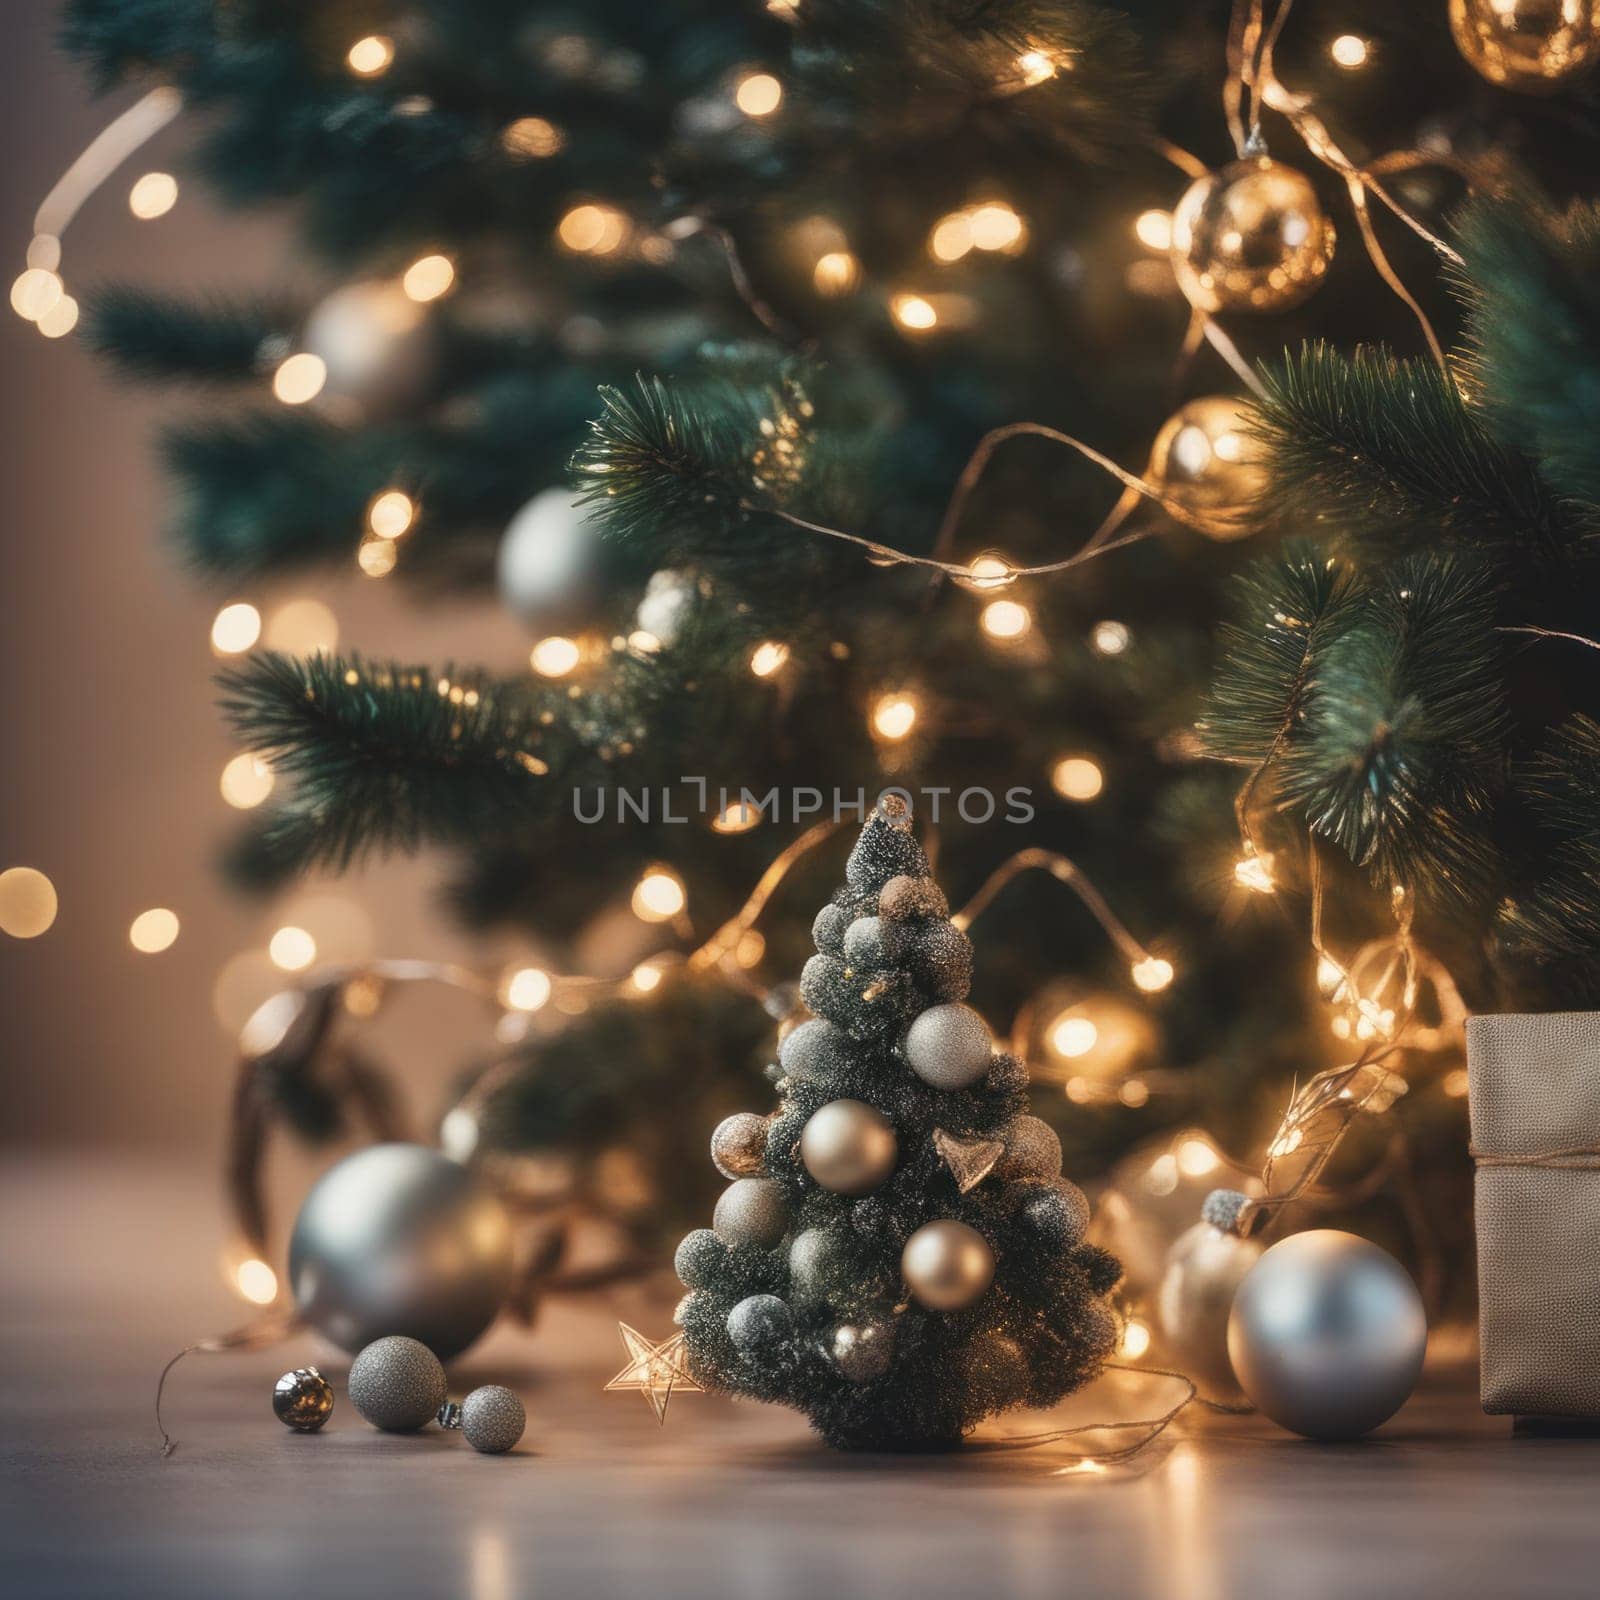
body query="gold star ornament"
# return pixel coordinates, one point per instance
(655, 1370)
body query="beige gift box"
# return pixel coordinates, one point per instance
(1535, 1087)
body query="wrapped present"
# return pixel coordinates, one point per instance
(1535, 1087)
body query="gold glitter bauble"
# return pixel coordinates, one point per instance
(1251, 236)
(1205, 459)
(1532, 45)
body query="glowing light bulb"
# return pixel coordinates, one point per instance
(428, 277)
(1197, 1157)
(299, 378)
(894, 716)
(303, 627)
(991, 570)
(554, 657)
(913, 312)
(532, 139)
(768, 658)
(28, 902)
(646, 976)
(60, 319)
(153, 931)
(1073, 1036)
(246, 781)
(738, 816)
(391, 514)
(235, 628)
(371, 56)
(256, 1281)
(1077, 778)
(1349, 51)
(659, 895)
(1006, 619)
(758, 95)
(1035, 67)
(526, 989)
(1254, 872)
(1135, 1340)
(1455, 1083)
(1152, 974)
(995, 226)
(951, 237)
(153, 195)
(1134, 1093)
(1110, 638)
(34, 292)
(592, 229)
(836, 273)
(377, 557)
(1153, 229)
(292, 949)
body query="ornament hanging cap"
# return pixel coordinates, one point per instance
(1229, 1210)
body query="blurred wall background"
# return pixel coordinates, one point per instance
(111, 747)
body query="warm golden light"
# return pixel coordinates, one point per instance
(532, 139)
(768, 658)
(646, 976)
(995, 226)
(153, 931)
(1077, 778)
(1254, 872)
(377, 557)
(153, 195)
(1349, 51)
(592, 230)
(836, 273)
(1034, 67)
(1152, 974)
(1134, 1093)
(303, 628)
(554, 657)
(1073, 1036)
(246, 781)
(951, 237)
(60, 319)
(1135, 1340)
(235, 629)
(256, 1281)
(369, 57)
(1197, 1157)
(292, 949)
(989, 571)
(1005, 619)
(299, 378)
(526, 989)
(758, 95)
(1153, 230)
(659, 895)
(428, 277)
(913, 312)
(1455, 1083)
(1110, 638)
(894, 716)
(34, 292)
(28, 902)
(738, 816)
(391, 514)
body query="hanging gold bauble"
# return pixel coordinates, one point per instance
(1532, 45)
(1206, 460)
(1251, 236)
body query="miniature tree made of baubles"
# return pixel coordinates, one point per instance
(898, 1255)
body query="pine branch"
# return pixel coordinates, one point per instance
(1386, 450)
(1532, 288)
(162, 337)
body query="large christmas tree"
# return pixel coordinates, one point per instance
(774, 270)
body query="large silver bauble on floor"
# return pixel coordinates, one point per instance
(1204, 1270)
(399, 1239)
(1327, 1334)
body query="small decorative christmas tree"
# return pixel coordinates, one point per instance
(897, 1255)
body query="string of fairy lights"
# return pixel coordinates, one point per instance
(1201, 466)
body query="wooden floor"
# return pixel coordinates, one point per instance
(108, 1269)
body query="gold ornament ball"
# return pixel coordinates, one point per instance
(1251, 236)
(739, 1145)
(947, 1265)
(1533, 45)
(1205, 459)
(849, 1147)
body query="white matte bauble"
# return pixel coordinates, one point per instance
(949, 1046)
(947, 1265)
(544, 555)
(399, 1239)
(751, 1211)
(1204, 1269)
(666, 601)
(374, 341)
(849, 1147)
(1327, 1334)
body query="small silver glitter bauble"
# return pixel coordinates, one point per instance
(947, 1265)
(739, 1145)
(302, 1399)
(849, 1147)
(400, 1239)
(397, 1384)
(1204, 1269)
(1032, 1151)
(1327, 1334)
(862, 1351)
(758, 1322)
(949, 1046)
(492, 1419)
(751, 1211)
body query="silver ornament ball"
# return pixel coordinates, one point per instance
(1327, 1334)
(758, 1322)
(397, 1384)
(849, 1147)
(544, 555)
(492, 1419)
(947, 1265)
(739, 1145)
(751, 1211)
(862, 1351)
(302, 1400)
(1204, 1268)
(375, 342)
(949, 1046)
(400, 1239)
